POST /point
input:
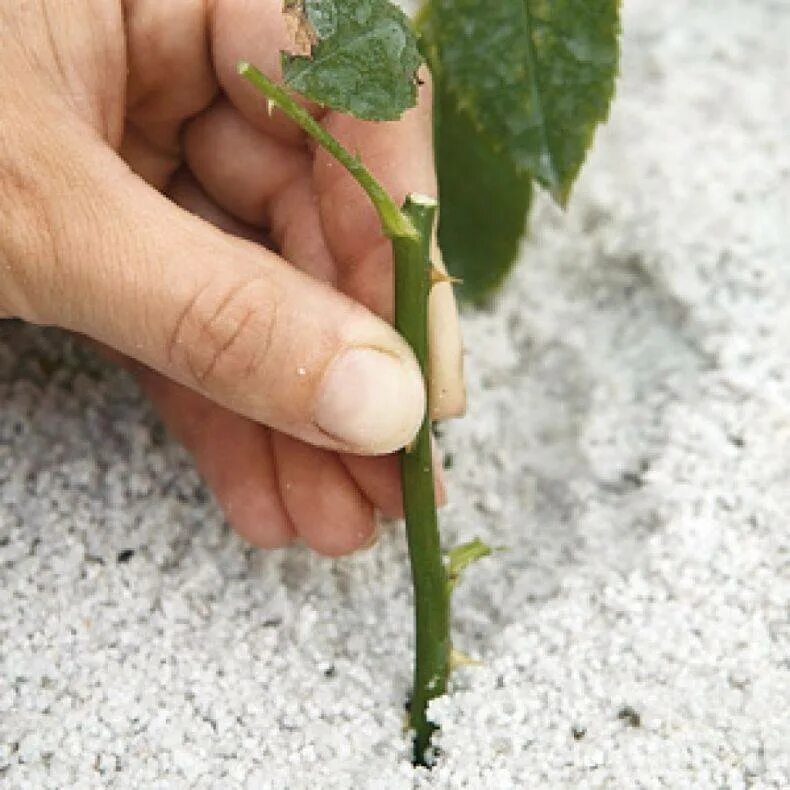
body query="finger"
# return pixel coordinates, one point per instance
(265, 182)
(170, 71)
(170, 78)
(329, 512)
(379, 479)
(233, 456)
(255, 31)
(154, 165)
(399, 155)
(379, 482)
(447, 387)
(260, 166)
(220, 315)
(185, 191)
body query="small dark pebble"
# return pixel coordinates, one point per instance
(159, 436)
(125, 555)
(434, 754)
(330, 671)
(738, 441)
(94, 558)
(630, 716)
(633, 479)
(449, 460)
(578, 733)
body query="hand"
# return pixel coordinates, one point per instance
(114, 119)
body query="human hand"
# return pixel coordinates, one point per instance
(279, 377)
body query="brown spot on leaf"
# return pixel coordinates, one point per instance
(304, 35)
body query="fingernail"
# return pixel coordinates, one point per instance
(371, 401)
(447, 397)
(440, 489)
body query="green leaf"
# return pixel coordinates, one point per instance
(484, 201)
(461, 557)
(535, 76)
(363, 56)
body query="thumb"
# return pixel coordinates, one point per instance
(225, 317)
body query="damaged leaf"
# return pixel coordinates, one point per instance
(356, 56)
(302, 32)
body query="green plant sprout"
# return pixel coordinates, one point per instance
(519, 87)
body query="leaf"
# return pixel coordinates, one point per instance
(535, 76)
(363, 56)
(461, 557)
(483, 201)
(459, 659)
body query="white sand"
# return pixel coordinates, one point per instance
(629, 440)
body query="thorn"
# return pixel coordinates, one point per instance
(459, 659)
(270, 106)
(438, 276)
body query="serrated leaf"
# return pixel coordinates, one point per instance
(535, 76)
(484, 201)
(363, 57)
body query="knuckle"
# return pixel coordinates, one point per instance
(223, 335)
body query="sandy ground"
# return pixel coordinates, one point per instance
(628, 441)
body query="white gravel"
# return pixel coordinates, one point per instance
(628, 441)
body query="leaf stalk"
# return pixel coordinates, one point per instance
(394, 222)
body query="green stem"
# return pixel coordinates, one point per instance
(393, 221)
(410, 230)
(431, 593)
(421, 16)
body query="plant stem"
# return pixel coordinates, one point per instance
(420, 16)
(431, 593)
(393, 221)
(410, 230)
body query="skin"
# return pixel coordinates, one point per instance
(152, 205)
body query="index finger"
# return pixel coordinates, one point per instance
(255, 31)
(399, 154)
